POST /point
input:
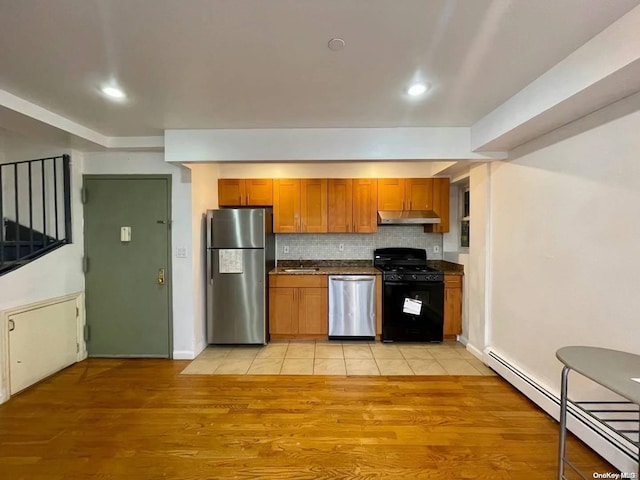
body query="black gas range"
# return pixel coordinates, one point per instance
(413, 296)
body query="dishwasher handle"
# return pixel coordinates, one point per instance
(355, 278)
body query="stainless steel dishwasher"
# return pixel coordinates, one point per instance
(352, 307)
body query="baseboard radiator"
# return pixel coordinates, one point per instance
(607, 443)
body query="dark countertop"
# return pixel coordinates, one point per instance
(448, 268)
(353, 267)
(346, 270)
(327, 267)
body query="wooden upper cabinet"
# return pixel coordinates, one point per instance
(365, 203)
(391, 194)
(299, 205)
(231, 192)
(234, 192)
(286, 205)
(418, 193)
(313, 205)
(405, 194)
(340, 205)
(441, 189)
(259, 191)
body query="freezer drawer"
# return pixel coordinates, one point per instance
(352, 306)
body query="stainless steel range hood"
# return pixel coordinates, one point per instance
(407, 217)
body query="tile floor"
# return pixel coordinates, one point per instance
(338, 358)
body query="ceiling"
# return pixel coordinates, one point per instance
(265, 63)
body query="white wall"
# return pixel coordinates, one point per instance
(563, 270)
(321, 144)
(204, 196)
(57, 274)
(565, 234)
(181, 232)
(341, 169)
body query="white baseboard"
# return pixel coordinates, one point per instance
(200, 348)
(608, 444)
(183, 355)
(476, 352)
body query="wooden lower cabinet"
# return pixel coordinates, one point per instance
(313, 316)
(452, 305)
(298, 306)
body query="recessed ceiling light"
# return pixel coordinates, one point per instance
(417, 89)
(336, 44)
(113, 92)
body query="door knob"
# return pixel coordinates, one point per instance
(161, 276)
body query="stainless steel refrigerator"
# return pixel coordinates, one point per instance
(240, 253)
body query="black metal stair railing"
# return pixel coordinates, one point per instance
(35, 208)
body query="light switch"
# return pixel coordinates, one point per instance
(125, 234)
(181, 252)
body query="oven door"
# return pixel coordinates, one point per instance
(412, 311)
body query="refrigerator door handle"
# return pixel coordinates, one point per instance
(210, 266)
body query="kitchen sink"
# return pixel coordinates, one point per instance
(301, 269)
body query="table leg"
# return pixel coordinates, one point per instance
(563, 422)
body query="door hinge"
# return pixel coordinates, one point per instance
(77, 311)
(87, 333)
(83, 194)
(85, 264)
(77, 347)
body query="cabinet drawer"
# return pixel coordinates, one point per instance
(453, 281)
(298, 281)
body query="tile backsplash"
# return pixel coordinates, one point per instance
(357, 246)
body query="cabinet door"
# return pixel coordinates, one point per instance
(313, 205)
(286, 205)
(419, 193)
(452, 305)
(231, 192)
(340, 205)
(391, 194)
(441, 190)
(365, 203)
(259, 192)
(313, 316)
(283, 311)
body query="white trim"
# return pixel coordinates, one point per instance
(183, 355)
(82, 321)
(476, 352)
(611, 446)
(488, 266)
(200, 348)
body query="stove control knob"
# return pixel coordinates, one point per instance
(415, 277)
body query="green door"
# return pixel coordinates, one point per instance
(127, 302)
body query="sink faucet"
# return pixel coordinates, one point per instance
(300, 262)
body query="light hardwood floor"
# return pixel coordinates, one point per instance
(140, 419)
